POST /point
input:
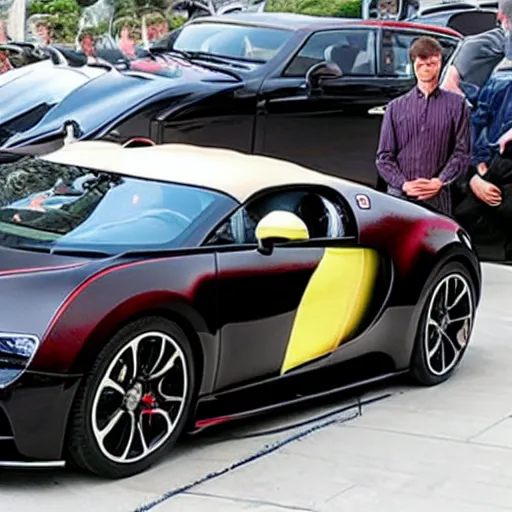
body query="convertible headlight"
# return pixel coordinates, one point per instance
(16, 352)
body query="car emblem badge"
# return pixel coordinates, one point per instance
(363, 201)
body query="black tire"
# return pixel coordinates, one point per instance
(420, 369)
(83, 449)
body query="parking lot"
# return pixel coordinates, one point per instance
(447, 448)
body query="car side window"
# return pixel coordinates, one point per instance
(353, 50)
(323, 217)
(394, 54)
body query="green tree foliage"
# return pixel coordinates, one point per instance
(63, 16)
(338, 8)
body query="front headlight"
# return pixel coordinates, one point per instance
(16, 353)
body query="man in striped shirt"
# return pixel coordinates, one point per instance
(425, 135)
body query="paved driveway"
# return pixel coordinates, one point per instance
(447, 448)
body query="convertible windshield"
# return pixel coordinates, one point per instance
(230, 40)
(49, 206)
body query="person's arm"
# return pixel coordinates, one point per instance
(451, 80)
(460, 158)
(386, 162)
(481, 119)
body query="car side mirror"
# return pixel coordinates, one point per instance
(279, 226)
(319, 73)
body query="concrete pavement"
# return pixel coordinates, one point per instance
(447, 448)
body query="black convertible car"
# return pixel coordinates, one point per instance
(175, 287)
(302, 88)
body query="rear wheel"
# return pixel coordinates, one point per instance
(134, 403)
(445, 325)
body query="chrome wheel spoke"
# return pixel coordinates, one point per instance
(459, 319)
(130, 438)
(134, 346)
(459, 297)
(433, 323)
(438, 343)
(445, 336)
(166, 368)
(447, 294)
(109, 383)
(112, 422)
(145, 449)
(143, 406)
(160, 357)
(168, 398)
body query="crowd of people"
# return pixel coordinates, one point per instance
(449, 144)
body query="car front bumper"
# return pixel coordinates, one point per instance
(34, 413)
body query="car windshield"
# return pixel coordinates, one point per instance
(229, 40)
(49, 206)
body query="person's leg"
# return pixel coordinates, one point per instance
(504, 210)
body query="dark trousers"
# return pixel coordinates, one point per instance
(489, 225)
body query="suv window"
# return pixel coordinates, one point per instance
(353, 50)
(394, 54)
(324, 217)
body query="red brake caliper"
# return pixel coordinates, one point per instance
(148, 401)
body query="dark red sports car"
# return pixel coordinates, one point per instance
(149, 290)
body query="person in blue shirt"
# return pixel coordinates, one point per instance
(486, 210)
(491, 120)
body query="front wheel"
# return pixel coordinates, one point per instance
(134, 403)
(445, 325)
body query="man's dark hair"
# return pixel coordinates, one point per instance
(425, 47)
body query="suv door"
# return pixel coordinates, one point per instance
(395, 66)
(324, 130)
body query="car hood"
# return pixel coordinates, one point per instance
(108, 98)
(37, 86)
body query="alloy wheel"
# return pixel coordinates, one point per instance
(449, 323)
(141, 398)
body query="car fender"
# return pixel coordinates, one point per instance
(180, 287)
(415, 237)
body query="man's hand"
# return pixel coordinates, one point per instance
(485, 191)
(504, 140)
(423, 188)
(482, 168)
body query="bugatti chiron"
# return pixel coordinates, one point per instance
(155, 290)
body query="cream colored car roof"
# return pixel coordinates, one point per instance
(238, 174)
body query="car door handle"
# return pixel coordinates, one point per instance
(378, 111)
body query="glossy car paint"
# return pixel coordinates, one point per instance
(116, 96)
(237, 307)
(28, 93)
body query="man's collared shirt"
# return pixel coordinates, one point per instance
(425, 137)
